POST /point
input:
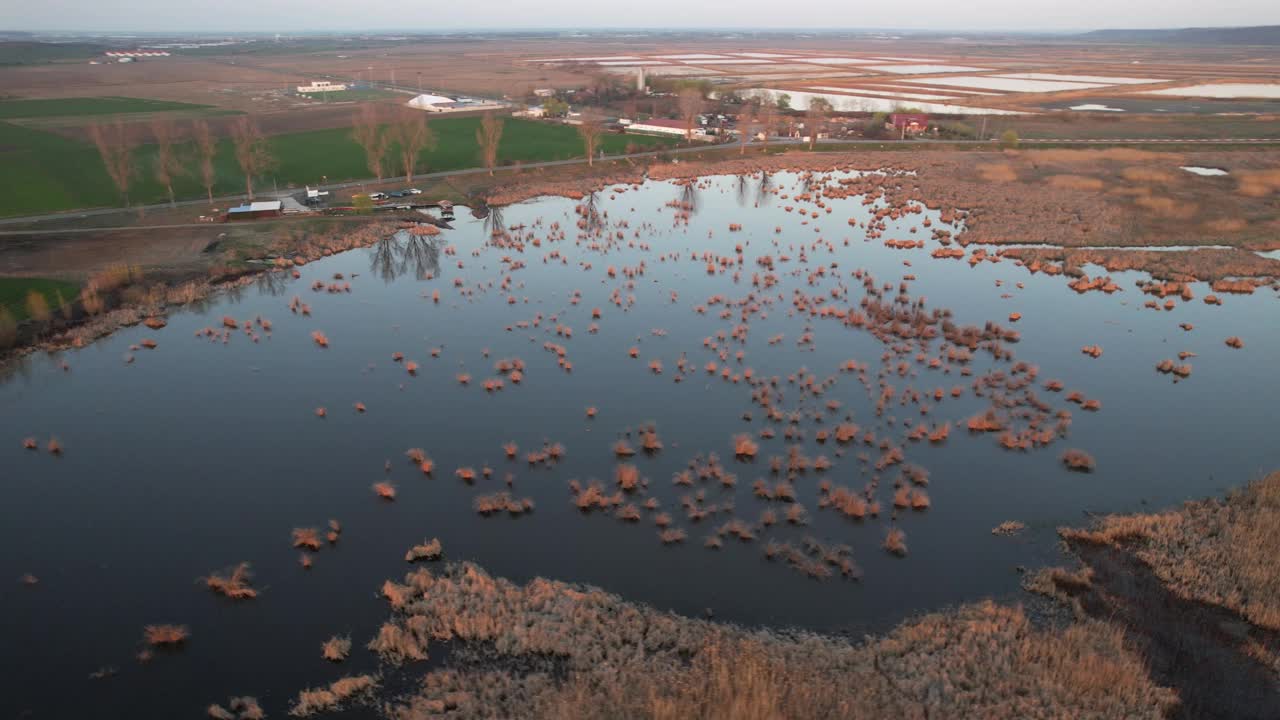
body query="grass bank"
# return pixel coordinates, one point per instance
(14, 292)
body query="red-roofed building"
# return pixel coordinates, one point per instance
(909, 123)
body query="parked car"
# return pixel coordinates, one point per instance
(377, 196)
(414, 191)
(397, 194)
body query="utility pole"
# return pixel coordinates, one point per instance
(419, 82)
(393, 77)
(983, 134)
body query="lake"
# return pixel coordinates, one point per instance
(200, 453)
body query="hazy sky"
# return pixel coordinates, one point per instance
(286, 16)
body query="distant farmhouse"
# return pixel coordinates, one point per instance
(321, 86)
(908, 123)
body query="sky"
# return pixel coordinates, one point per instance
(286, 16)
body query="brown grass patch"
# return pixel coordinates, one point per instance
(1226, 226)
(997, 172)
(1166, 207)
(1257, 183)
(1075, 182)
(1155, 176)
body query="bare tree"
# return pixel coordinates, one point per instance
(630, 108)
(816, 118)
(116, 145)
(590, 130)
(206, 151)
(746, 125)
(691, 104)
(252, 152)
(412, 135)
(768, 121)
(369, 134)
(488, 135)
(168, 163)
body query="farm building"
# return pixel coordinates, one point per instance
(440, 103)
(663, 126)
(431, 103)
(135, 54)
(320, 86)
(909, 123)
(252, 211)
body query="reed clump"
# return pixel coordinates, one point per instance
(428, 550)
(234, 584)
(336, 648)
(324, 699)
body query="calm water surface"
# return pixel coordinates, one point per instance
(202, 454)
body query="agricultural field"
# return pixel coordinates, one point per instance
(74, 107)
(51, 172)
(353, 96)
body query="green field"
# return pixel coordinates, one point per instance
(45, 172)
(24, 52)
(353, 95)
(13, 294)
(75, 107)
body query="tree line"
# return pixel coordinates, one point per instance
(180, 151)
(392, 140)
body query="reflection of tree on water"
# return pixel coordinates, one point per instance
(690, 197)
(763, 192)
(405, 252)
(591, 213)
(273, 282)
(234, 292)
(742, 189)
(495, 225)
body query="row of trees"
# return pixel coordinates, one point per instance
(406, 131)
(179, 151)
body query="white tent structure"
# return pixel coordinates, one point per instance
(431, 103)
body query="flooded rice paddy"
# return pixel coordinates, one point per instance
(644, 305)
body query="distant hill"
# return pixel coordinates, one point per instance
(1257, 35)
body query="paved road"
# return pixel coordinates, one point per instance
(225, 200)
(1126, 141)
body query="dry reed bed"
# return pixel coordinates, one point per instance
(1202, 264)
(1071, 198)
(573, 651)
(1215, 551)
